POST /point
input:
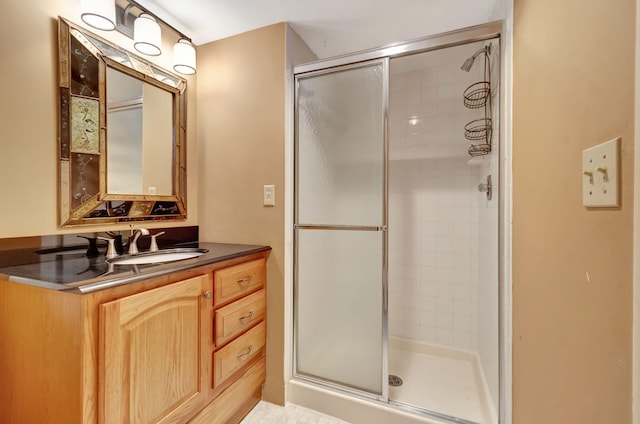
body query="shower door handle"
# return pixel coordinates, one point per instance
(340, 227)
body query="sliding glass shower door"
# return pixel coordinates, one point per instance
(340, 226)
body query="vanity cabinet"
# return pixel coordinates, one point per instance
(184, 347)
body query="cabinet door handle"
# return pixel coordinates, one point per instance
(249, 316)
(245, 281)
(245, 353)
(207, 295)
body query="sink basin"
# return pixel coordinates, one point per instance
(160, 256)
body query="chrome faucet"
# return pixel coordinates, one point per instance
(133, 243)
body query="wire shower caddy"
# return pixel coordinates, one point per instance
(476, 96)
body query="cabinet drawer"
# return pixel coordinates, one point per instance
(238, 316)
(238, 280)
(238, 353)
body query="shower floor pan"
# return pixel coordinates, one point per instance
(441, 380)
(444, 382)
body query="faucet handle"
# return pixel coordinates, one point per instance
(118, 241)
(111, 249)
(154, 244)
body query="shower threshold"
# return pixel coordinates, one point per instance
(430, 413)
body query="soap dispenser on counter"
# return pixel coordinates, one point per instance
(92, 249)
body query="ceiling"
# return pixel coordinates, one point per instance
(328, 27)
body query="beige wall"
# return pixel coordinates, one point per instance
(242, 135)
(573, 88)
(29, 116)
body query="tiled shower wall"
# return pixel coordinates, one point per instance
(436, 214)
(432, 289)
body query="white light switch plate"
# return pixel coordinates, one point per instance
(600, 175)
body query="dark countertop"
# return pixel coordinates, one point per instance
(73, 271)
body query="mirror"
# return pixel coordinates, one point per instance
(139, 134)
(122, 134)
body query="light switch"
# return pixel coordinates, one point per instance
(600, 175)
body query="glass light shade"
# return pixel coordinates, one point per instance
(99, 14)
(146, 35)
(184, 57)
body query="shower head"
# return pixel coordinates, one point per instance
(466, 66)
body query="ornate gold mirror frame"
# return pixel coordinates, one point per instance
(82, 135)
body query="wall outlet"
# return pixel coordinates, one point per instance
(269, 195)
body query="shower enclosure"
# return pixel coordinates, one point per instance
(396, 229)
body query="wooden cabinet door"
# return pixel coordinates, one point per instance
(153, 367)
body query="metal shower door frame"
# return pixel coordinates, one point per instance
(483, 32)
(384, 61)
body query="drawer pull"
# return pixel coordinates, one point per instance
(245, 281)
(207, 295)
(249, 316)
(245, 353)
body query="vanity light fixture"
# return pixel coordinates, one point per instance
(99, 14)
(142, 26)
(147, 37)
(184, 57)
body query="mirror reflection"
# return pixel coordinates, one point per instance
(139, 136)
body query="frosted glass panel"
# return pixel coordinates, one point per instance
(339, 307)
(340, 147)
